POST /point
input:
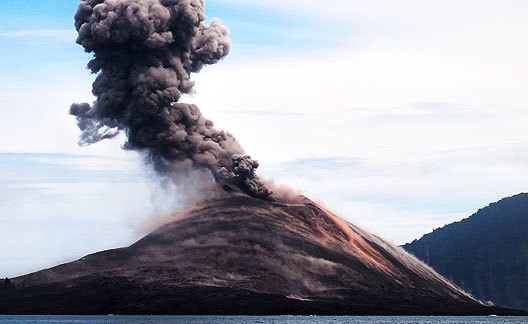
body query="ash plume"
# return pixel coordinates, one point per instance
(144, 52)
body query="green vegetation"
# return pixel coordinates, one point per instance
(486, 254)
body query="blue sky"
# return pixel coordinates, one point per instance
(35, 31)
(400, 115)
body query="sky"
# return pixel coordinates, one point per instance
(399, 115)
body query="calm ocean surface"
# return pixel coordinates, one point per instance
(263, 319)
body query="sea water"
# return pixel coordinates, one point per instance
(264, 319)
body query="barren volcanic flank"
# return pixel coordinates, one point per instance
(242, 255)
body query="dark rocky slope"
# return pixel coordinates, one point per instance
(486, 254)
(240, 255)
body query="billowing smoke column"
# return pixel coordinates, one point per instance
(144, 52)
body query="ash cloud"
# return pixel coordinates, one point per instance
(144, 52)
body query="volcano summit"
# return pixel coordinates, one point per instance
(242, 255)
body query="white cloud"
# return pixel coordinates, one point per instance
(41, 35)
(416, 77)
(366, 103)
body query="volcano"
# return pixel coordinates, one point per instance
(242, 255)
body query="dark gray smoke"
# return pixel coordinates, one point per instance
(144, 52)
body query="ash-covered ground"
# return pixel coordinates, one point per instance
(242, 255)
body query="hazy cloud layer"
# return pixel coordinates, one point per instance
(63, 206)
(58, 207)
